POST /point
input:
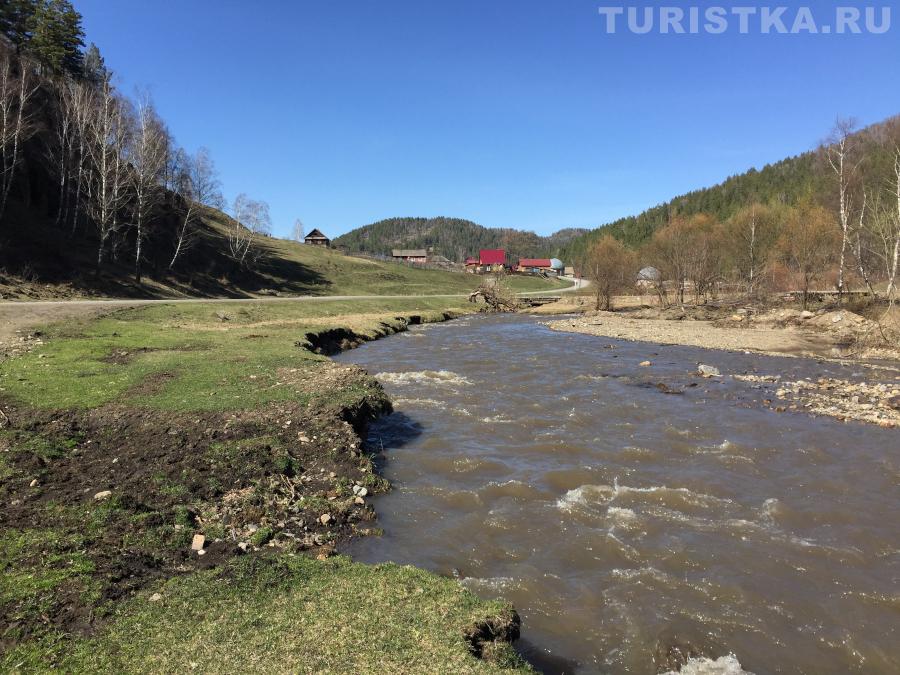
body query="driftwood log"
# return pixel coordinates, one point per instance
(496, 296)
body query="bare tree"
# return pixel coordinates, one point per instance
(750, 235)
(298, 230)
(841, 154)
(250, 218)
(109, 136)
(807, 245)
(148, 160)
(882, 225)
(706, 241)
(61, 152)
(672, 251)
(78, 104)
(16, 118)
(860, 252)
(196, 182)
(611, 268)
(893, 256)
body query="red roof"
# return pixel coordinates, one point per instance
(471, 261)
(534, 262)
(492, 256)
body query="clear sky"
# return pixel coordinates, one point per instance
(512, 113)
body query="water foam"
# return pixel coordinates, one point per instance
(492, 584)
(421, 402)
(587, 495)
(724, 665)
(438, 377)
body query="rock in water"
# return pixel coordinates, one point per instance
(707, 371)
(645, 364)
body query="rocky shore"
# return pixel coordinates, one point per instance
(840, 336)
(872, 403)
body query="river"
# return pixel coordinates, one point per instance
(632, 527)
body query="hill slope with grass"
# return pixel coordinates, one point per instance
(40, 262)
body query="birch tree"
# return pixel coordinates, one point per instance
(298, 230)
(109, 134)
(841, 151)
(80, 104)
(148, 160)
(16, 118)
(250, 218)
(883, 226)
(196, 183)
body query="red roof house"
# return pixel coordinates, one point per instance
(492, 256)
(535, 262)
(471, 261)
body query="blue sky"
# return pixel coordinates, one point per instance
(512, 113)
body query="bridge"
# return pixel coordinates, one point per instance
(537, 300)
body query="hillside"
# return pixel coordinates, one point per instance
(54, 266)
(784, 182)
(453, 238)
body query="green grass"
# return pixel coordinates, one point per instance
(34, 564)
(291, 614)
(286, 614)
(183, 357)
(339, 274)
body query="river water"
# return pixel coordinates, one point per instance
(628, 525)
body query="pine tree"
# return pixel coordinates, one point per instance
(56, 37)
(93, 67)
(15, 16)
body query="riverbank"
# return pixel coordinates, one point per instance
(787, 333)
(186, 473)
(697, 333)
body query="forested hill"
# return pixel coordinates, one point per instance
(786, 182)
(453, 238)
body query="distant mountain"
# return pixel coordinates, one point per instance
(787, 181)
(453, 238)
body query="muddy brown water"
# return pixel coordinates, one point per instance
(629, 525)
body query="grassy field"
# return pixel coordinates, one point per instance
(339, 274)
(125, 436)
(214, 356)
(58, 266)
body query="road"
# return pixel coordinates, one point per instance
(20, 315)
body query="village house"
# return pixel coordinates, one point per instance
(492, 259)
(316, 238)
(647, 278)
(540, 266)
(410, 255)
(472, 265)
